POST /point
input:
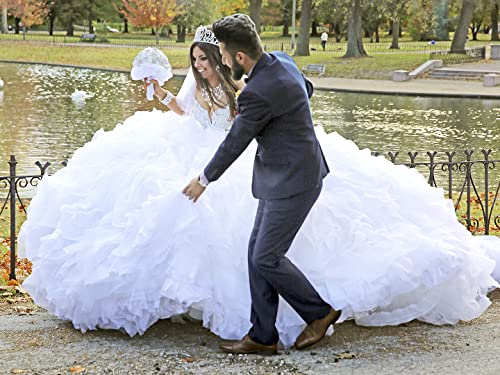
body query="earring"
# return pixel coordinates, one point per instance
(217, 68)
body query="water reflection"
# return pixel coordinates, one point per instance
(39, 120)
(403, 123)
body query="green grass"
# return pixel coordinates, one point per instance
(374, 67)
(97, 57)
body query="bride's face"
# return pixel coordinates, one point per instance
(202, 64)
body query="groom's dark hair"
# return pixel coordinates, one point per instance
(239, 34)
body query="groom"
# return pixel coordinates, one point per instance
(287, 178)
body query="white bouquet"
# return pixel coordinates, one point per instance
(151, 63)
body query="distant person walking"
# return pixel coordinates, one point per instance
(324, 39)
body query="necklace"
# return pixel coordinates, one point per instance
(217, 93)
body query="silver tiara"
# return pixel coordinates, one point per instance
(205, 35)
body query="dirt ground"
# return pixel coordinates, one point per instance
(33, 341)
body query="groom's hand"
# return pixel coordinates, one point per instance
(193, 190)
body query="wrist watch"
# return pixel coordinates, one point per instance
(203, 182)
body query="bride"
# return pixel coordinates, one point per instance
(115, 244)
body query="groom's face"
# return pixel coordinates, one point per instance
(237, 69)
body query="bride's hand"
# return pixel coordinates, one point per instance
(159, 92)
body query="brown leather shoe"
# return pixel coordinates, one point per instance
(248, 346)
(316, 330)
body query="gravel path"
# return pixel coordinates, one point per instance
(38, 343)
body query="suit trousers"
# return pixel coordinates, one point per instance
(271, 273)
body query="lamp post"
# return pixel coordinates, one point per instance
(294, 10)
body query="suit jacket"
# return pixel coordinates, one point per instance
(274, 109)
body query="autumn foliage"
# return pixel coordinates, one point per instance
(149, 13)
(30, 12)
(23, 266)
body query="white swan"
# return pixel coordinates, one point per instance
(79, 97)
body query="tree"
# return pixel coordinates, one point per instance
(422, 20)
(191, 12)
(480, 17)
(68, 12)
(395, 11)
(255, 9)
(335, 13)
(354, 38)
(286, 19)
(440, 8)
(4, 26)
(152, 14)
(30, 12)
(228, 7)
(372, 17)
(464, 19)
(305, 25)
(494, 19)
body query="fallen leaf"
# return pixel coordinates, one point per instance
(23, 310)
(16, 371)
(21, 290)
(188, 360)
(77, 369)
(13, 283)
(346, 355)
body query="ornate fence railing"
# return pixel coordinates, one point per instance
(466, 180)
(458, 57)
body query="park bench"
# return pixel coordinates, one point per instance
(87, 38)
(314, 68)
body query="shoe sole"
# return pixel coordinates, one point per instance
(259, 352)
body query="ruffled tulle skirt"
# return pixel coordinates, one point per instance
(116, 245)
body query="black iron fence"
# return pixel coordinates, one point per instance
(441, 48)
(472, 183)
(458, 57)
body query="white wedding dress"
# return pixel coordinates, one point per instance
(116, 245)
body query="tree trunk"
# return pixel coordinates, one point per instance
(91, 16)
(24, 32)
(181, 34)
(157, 36)
(314, 28)
(286, 29)
(255, 8)
(305, 24)
(354, 41)
(460, 37)
(377, 36)
(475, 31)
(494, 22)
(5, 26)
(17, 21)
(338, 33)
(52, 19)
(70, 30)
(91, 26)
(125, 25)
(395, 35)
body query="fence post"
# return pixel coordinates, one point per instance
(12, 179)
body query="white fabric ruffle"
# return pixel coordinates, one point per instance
(116, 245)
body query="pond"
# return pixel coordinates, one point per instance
(39, 120)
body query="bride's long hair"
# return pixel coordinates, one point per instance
(215, 59)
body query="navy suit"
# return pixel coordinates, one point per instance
(287, 178)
